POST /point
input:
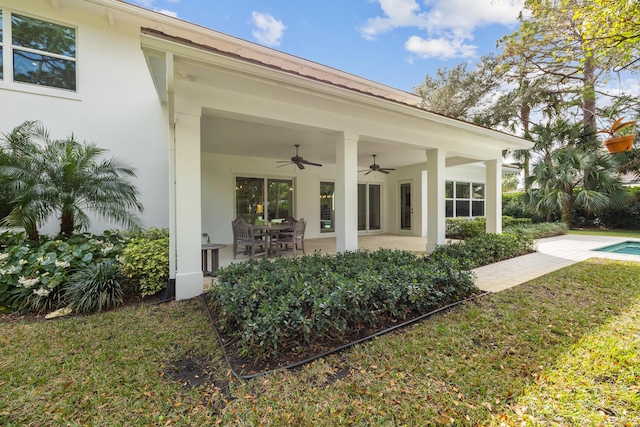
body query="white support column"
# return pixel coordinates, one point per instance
(436, 212)
(347, 192)
(188, 210)
(493, 196)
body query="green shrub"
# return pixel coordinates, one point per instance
(485, 249)
(145, 260)
(95, 288)
(273, 306)
(509, 221)
(465, 228)
(538, 231)
(33, 274)
(516, 205)
(627, 218)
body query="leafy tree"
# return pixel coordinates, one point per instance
(551, 41)
(42, 177)
(611, 26)
(458, 92)
(510, 182)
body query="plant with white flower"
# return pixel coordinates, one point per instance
(28, 282)
(3, 256)
(41, 259)
(62, 264)
(42, 292)
(23, 262)
(107, 247)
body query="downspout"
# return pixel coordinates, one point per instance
(171, 286)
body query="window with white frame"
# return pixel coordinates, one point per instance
(37, 52)
(464, 199)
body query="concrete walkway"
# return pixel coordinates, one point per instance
(552, 254)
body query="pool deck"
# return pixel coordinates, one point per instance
(552, 254)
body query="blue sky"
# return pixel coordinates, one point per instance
(395, 42)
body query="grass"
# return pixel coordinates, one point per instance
(560, 350)
(612, 233)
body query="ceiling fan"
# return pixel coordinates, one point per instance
(376, 168)
(297, 160)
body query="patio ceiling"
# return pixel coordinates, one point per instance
(262, 138)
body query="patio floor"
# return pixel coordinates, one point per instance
(552, 254)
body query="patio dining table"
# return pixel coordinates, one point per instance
(271, 231)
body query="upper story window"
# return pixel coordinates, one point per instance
(38, 52)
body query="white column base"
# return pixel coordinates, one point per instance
(189, 285)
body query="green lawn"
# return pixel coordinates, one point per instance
(561, 350)
(612, 233)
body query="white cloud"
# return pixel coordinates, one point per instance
(268, 30)
(168, 12)
(398, 13)
(448, 24)
(149, 5)
(441, 47)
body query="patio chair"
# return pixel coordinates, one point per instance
(293, 238)
(243, 235)
(289, 220)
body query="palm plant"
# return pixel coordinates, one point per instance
(42, 177)
(22, 184)
(570, 173)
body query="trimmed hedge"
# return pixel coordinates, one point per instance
(465, 228)
(540, 230)
(273, 306)
(485, 249)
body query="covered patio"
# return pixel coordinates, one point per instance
(235, 110)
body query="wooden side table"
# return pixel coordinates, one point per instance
(215, 258)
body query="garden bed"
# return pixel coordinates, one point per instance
(272, 314)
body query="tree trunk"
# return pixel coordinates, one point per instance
(525, 114)
(567, 212)
(589, 95)
(66, 224)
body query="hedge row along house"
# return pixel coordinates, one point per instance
(205, 117)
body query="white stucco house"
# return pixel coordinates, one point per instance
(205, 117)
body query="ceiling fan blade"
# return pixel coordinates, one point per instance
(300, 165)
(386, 169)
(368, 172)
(283, 161)
(306, 162)
(383, 171)
(286, 164)
(364, 170)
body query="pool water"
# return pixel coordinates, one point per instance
(629, 248)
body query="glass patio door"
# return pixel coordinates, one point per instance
(406, 211)
(279, 199)
(369, 207)
(251, 194)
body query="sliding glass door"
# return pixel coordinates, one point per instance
(251, 194)
(369, 207)
(406, 210)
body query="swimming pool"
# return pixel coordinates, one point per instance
(629, 248)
